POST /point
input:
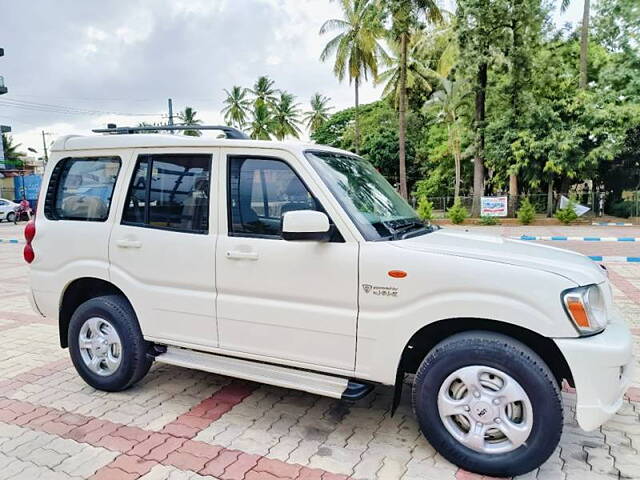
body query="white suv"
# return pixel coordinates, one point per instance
(299, 266)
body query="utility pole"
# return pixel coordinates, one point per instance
(171, 115)
(44, 145)
(3, 128)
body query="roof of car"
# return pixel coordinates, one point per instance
(99, 142)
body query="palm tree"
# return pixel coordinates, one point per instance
(319, 112)
(403, 16)
(451, 97)
(262, 124)
(13, 158)
(286, 116)
(188, 117)
(584, 39)
(237, 105)
(356, 47)
(264, 91)
(418, 74)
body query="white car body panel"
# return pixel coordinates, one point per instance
(6, 207)
(328, 307)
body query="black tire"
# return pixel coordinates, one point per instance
(11, 216)
(135, 362)
(516, 360)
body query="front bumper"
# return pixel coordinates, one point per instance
(601, 366)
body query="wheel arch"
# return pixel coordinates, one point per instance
(77, 292)
(427, 337)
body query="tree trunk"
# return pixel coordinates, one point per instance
(402, 116)
(513, 193)
(550, 197)
(584, 44)
(454, 145)
(565, 184)
(357, 118)
(478, 160)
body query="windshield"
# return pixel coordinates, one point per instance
(371, 202)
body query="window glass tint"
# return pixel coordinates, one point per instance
(84, 188)
(170, 192)
(260, 192)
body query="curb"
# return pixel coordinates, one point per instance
(10, 240)
(612, 224)
(578, 239)
(597, 258)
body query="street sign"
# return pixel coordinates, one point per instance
(493, 207)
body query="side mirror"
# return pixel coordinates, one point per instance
(308, 225)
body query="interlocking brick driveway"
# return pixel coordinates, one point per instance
(184, 424)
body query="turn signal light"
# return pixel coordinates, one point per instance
(578, 312)
(397, 273)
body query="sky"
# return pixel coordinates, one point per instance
(73, 65)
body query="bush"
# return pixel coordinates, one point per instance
(425, 208)
(489, 220)
(457, 214)
(623, 209)
(526, 212)
(568, 214)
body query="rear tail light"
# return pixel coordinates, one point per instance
(29, 234)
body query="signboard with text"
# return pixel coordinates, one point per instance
(493, 207)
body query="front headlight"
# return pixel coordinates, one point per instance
(586, 308)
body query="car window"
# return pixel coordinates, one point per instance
(261, 190)
(82, 188)
(170, 192)
(2, 203)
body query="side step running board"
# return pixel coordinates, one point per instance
(318, 383)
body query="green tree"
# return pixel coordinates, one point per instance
(481, 32)
(188, 117)
(14, 159)
(286, 117)
(319, 113)
(404, 14)
(356, 47)
(264, 92)
(262, 124)
(236, 107)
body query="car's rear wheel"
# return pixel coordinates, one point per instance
(106, 344)
(488, 403)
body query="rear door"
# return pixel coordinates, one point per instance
(162, 247)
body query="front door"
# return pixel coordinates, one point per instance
(162, 248)
(288, 301)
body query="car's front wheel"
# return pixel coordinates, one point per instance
(488, 403)
(11, 216)
(106, 344)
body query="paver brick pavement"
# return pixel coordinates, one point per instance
(178, 424)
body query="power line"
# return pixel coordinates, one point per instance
(64, 109)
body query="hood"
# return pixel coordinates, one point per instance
(571, 265)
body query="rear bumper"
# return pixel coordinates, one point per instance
(601, 366)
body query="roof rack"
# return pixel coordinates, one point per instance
(230, 132)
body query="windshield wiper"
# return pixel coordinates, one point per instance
(406, 229)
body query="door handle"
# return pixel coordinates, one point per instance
(129, 243)
(237, 255)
